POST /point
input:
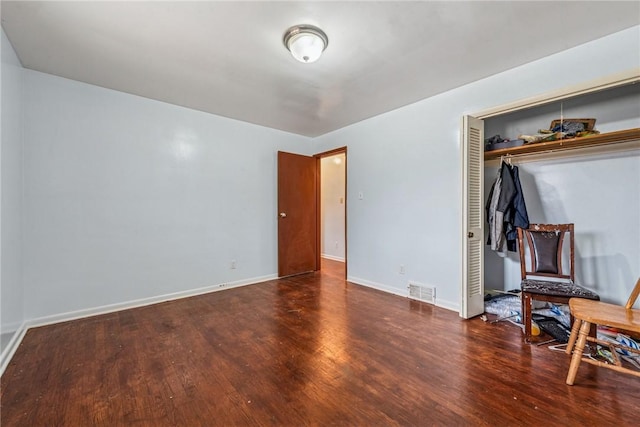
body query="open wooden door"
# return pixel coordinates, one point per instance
(297, 205)
(472, 303)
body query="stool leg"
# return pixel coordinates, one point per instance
(573, 336)
(577, 353)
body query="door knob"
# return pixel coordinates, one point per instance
(470, 234)
(283, 215)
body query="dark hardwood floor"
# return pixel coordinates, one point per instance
(306, 350)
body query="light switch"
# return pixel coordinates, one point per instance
(361, 195)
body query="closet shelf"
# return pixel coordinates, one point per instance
(567, 144)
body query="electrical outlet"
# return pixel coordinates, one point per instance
(401, 269)
(233, 264)
(336, 244)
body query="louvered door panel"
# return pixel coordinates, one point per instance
(473, 253)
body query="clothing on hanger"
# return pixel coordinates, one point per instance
(506, 208)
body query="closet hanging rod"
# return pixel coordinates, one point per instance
(506, 158)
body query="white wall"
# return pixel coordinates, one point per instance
(11, 293)
(332, 206)
(407, 164)
(614, 109)
(600, 194)
(127, 198)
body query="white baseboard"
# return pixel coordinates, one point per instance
(9, 328)
(105, 309)
(378, 286)
(448, 305)
(15, 341)
(12, 346)
(333, 258)
(402, 293)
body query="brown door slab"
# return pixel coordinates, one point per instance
(297, 204)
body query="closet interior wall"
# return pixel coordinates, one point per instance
(599, 193)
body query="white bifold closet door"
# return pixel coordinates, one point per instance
(472, 303)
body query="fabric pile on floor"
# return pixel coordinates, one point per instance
(508, 306)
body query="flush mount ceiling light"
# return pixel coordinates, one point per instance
(305, 42)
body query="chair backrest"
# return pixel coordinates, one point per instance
(634, 295)
(545, 243)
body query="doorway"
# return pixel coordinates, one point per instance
(332, 195)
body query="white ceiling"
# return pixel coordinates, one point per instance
(227, 58)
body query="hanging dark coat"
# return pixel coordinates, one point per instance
(516, 215)
(507, 211)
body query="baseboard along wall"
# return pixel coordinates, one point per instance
(15, 341)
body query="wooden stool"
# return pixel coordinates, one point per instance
(591, 313)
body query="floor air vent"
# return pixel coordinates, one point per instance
(422, 292)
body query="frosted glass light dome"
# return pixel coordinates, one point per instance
(305, 42)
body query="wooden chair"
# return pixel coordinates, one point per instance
(588, 313)
(551, 283)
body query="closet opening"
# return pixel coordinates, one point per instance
(563, 185)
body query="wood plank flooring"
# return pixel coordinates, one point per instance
(310, 350)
